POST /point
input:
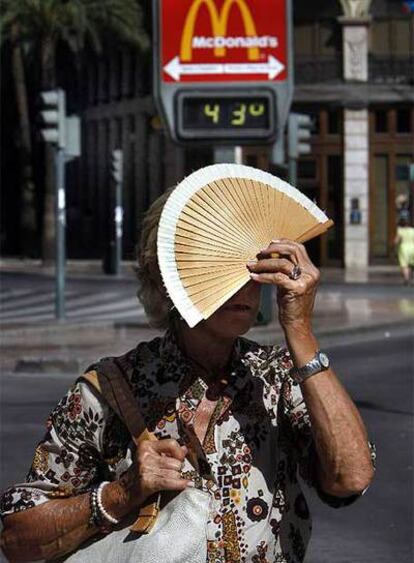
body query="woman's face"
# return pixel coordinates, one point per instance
(237, 315)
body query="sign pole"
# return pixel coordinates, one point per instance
(224, 154)
(292, 171)
(60, 216)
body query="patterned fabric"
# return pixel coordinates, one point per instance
(258, 437)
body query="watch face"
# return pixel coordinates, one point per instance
(324, 360)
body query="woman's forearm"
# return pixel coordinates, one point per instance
(344, 459)
(58, 526)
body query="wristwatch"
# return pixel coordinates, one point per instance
(317, 364)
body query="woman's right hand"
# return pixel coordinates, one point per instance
(157, 467)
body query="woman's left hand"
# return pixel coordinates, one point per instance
(295, 277)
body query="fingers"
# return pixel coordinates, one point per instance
(283, 247)
(170, 448)
(158, 467)
(169, 463)
(290, 252)
(154, 478)
(279, 279)
(282, 265)
(295, 250)
(169, 484)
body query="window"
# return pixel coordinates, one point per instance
(400, 36)
(380, 37)
(327, 38)
(307, 169)
(403, 120)
(381, 121)
(379, 242)
(303, 38)
(334, 122)
(335, 206)
(392, 36)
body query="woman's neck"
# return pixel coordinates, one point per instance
(206, 349)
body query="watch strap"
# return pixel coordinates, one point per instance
(314, 366)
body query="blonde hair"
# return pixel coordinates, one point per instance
(151, 291)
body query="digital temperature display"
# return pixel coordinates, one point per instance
(247, 116)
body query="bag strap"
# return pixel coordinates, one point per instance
(110, 382)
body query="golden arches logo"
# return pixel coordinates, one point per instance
(219, 21)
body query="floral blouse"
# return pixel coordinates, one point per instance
(258, 438)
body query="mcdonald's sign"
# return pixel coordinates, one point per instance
(222, 68)
(223, 40)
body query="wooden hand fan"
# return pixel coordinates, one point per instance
(216, 220)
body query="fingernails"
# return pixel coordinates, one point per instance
(254, 277)
(252, 261)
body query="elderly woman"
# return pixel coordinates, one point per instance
(261, 415)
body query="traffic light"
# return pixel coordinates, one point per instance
(299, 133)
(53, 117)
(117, 162)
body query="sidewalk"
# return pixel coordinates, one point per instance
(342, 308)
(92, 269)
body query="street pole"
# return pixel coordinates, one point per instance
(224, 154)
(63, 133)
(60, 218)
(115, 245)
(118, 218)
(292, 171)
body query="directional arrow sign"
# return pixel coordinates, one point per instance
(175, 69)
(272, 68)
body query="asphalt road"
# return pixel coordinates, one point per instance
(379, 376)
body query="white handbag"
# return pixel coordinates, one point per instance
(176, 533)
(178, 536)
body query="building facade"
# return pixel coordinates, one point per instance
(354, 74)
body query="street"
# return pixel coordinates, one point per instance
(30, 299)
(379, 375)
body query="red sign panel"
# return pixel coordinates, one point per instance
(223, 40)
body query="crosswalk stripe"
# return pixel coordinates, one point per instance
(7, 294)
(38, 307)
(27, 301)
(71, 297)
(97, 306)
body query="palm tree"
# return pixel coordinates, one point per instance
(27, 225)
(41, 26)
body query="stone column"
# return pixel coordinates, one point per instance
(355, 22)
(356, 192)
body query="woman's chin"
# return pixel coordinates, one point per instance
(231, 324)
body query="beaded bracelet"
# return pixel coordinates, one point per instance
(99, 517)
(101, 507)
(95, 518)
